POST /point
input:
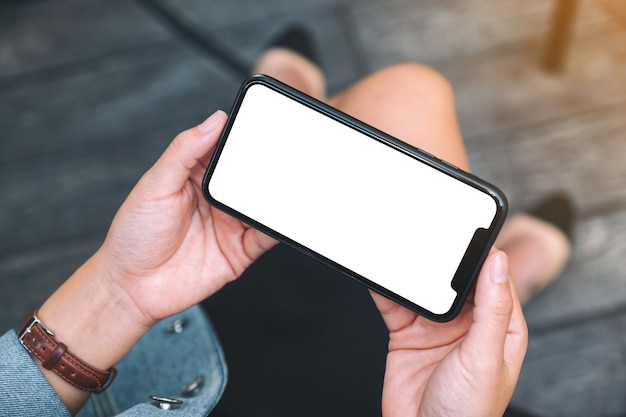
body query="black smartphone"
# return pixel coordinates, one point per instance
(395, 218)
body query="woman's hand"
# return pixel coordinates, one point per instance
(467, 367)
(167, 248)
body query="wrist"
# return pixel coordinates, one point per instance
(93, 317)
(54, 356)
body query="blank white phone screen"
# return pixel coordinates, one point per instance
(351, 198)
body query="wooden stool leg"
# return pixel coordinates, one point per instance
(560, 34)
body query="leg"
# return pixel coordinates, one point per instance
(538, 244)
(292, 69)
(410, 102)
(391, 100)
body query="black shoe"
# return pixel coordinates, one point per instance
(557, 210)
(299, 40)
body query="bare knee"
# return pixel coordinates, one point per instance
(412, 102)
(400, 89)
(415, 81)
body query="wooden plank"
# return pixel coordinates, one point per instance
(40, 28)
(342, 57)
(247, 30)
(37, 35)
(582, 155)
(84, 141)
(576, 371)
(492, 57)
(111, 101)
(29, 276)
(65, 195)
(434, 32)
(118, 95)
(505, 89)
(30, 42)
(220, 15)
(593, 284)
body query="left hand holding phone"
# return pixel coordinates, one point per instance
(466, 367)
(166, 250)
(165, 239)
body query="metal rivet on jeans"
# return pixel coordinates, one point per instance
(177, 326)
(188, 390)
(166, 403)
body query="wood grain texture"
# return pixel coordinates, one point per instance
(40, 35)
(582, 155)
(76, 139)
(593, 285)
(576, 371)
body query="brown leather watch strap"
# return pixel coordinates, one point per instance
(41, 343)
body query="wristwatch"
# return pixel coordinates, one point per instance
(40, 342)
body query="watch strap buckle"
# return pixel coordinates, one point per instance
(26, 328)
(40, 342)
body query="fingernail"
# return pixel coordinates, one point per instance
(499, 268)
(209, 124)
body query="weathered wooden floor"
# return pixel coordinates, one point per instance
(91, 92)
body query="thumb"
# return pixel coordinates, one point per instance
(190, 147)
(493, 350)
(493, 309)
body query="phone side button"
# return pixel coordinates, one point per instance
(451, 165)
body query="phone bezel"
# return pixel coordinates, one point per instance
(465, 275)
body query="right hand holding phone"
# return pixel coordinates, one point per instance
(466, 367)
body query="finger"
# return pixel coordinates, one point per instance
(493, 308)
(517, 341)
(395, 316)
(174, 167)
(256, 243)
